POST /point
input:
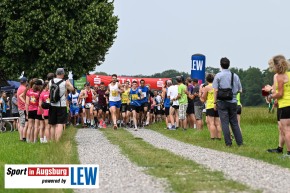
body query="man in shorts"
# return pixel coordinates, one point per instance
(114, 91)
(21, 108)
(73, 98)
(58, 110)
(182, 100)
(144, 103)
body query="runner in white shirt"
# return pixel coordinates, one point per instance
(172, 93)
(114, 90)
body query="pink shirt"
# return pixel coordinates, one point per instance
(21, 105)
(33, 100)
(44, 97)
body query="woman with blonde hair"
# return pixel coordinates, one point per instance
(281, 91)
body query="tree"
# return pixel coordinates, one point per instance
(38, 36)
(212, 70)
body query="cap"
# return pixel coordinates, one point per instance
(39, 82)
(59, 71)
(23, 79)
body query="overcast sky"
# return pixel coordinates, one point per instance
(158, 35)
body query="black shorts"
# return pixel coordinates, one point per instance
(151, 111)
(32, 114)
(125, 107)
(15, 115)
(239, 109)
(39, 117)
(57, 115)
(135, 108)
(190, 109)
(45, 117)
(26, 120)
(167, 111)
(284, 113)
(175, 106)
(146, 104)
(212, 113)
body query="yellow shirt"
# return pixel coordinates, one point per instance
(125, 96)
(210, 98)
(285, 100)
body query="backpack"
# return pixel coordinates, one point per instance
(54, 93)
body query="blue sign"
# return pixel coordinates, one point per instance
(198, 67)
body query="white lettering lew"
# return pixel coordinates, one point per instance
(197, 65)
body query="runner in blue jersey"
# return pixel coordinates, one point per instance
(144, 103)
(136, 97)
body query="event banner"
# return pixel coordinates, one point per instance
(155, 83)
(51, 176)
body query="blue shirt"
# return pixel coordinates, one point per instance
(3, 105)
(223, 80)
(145, 92)
(166, 100)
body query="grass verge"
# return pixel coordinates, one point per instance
(183, 175)
(259, 129)
(14, 151)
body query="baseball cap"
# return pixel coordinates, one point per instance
(59, 71)
(23, 79)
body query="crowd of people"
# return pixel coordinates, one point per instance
(182, 103)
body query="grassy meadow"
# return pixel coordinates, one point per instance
(13, 151)
(259, 129)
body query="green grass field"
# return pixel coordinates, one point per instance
(259, 129)
(13, 151)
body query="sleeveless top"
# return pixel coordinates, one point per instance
(210, 98)
(114, 94)
(89, 99)
(285, 100)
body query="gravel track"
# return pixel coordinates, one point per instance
(254, 173)
(117, 173)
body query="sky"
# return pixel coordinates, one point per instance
(158, 35)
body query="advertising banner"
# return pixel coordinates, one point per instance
(51, 176)
(198, 67)
(155, 83)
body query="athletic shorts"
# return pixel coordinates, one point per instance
(104, 108)
(239, 109)
(22, 118)
(74, 110)
(88, 105)
(146, 104)
(32, 114)
(157, 111)
(182, 111)
(175, 106)
(125, 107)
(57, 115)
(212, 113)
(284, 113)
(167, 111)
(198, 112)
(39, 117)
(135, 108)
(117, 104)
(190, 109)
(151, 111)
(45, 117)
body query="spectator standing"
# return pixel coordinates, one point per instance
(227, 109)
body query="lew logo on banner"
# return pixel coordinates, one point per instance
(51, 176)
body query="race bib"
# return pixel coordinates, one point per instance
(115, 93)
(135, 97)
(144, 94)
(32, 99)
